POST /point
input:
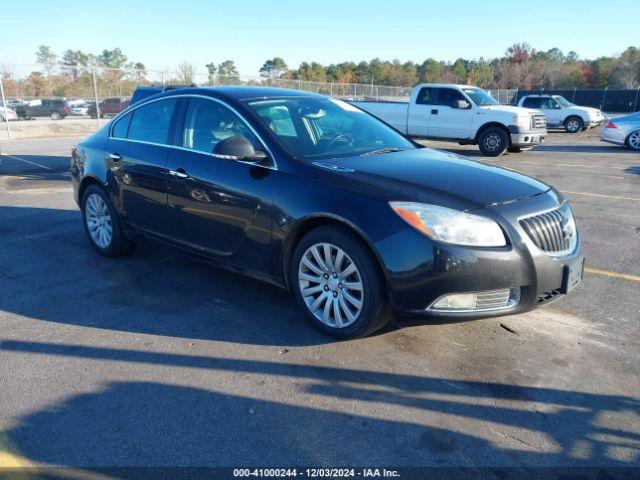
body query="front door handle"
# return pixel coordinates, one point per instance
(434, 111)
(179, 173)
(116, 157)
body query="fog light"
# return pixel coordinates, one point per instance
(477, 301)
(458, 301)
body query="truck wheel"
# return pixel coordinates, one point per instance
(493, 142)
(573, 124)
(56, 116)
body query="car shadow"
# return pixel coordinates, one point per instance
(634, 170)
(135, 423)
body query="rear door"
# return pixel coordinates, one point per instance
(137, 154)
(420, 112)
(447, 120)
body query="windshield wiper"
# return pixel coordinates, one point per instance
(382, 150)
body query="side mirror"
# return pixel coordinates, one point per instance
(237, 148)
(462, 104)
(557, 107)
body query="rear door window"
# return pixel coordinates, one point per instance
(151, 122)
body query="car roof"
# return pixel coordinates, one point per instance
(237, 93)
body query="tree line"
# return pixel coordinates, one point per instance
(521, 66)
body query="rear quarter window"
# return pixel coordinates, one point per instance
(121, 127)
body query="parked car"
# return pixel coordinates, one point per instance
(109, 107)
(623, 130)
(79, 109)
(562, 113)
(464, 114)
(54, 108)
(7, 113)
(313, 194)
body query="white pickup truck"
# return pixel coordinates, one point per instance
(562, 113)
(464, 114)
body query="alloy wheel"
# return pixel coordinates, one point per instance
(331, 285)
(98, 220)
(634, 140)
(573, 125)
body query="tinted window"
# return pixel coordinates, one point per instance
(531, 103)
(425, 96)
(121, 126)
(449, 97)
(207, 122)
(150, 123)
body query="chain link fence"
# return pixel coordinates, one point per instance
(62, 100)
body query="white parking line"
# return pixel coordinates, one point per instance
(604, 196)
(27, 161)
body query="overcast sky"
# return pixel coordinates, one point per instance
(164, 33)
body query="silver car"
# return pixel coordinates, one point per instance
(623, 130)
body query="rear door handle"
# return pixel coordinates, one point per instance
(179, 173)
(434, 111)
(116, 157)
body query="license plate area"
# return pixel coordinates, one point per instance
(572, 275)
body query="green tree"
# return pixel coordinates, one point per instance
(228, 71)
(430, 71)
(46, 58)
(274, 68)
(212, 69)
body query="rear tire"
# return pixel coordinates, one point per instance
(573, 124)
(493, 141)
(633, 140)
(102, 224)
(332, 270)
(55, 116)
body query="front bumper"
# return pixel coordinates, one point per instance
(424, 271)
(528, 139)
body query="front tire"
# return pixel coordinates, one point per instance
(337, 283)
(573, 124)
(55, 116)
(633, 140)
(493, 141)
(102, 224)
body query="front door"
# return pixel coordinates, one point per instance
(447, 119)
(219, 207)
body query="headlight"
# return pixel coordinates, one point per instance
(450, 226)
(523, 122)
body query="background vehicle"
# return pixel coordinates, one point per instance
(78, 107)
(109, 107)
(624, 130)
(315, 195)
(562, 113)
(54, 108)
(10, 113)
(464, 114)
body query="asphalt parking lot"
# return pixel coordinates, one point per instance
(159, 359)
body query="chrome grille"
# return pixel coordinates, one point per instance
(493, 299)
(539, 121)
(553, 231)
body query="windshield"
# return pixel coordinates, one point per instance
(562, 101)
(317, 128)
(480, 97)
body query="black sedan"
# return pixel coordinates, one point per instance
(312, 194)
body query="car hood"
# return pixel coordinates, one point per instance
(439, 178)
(511, 109)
